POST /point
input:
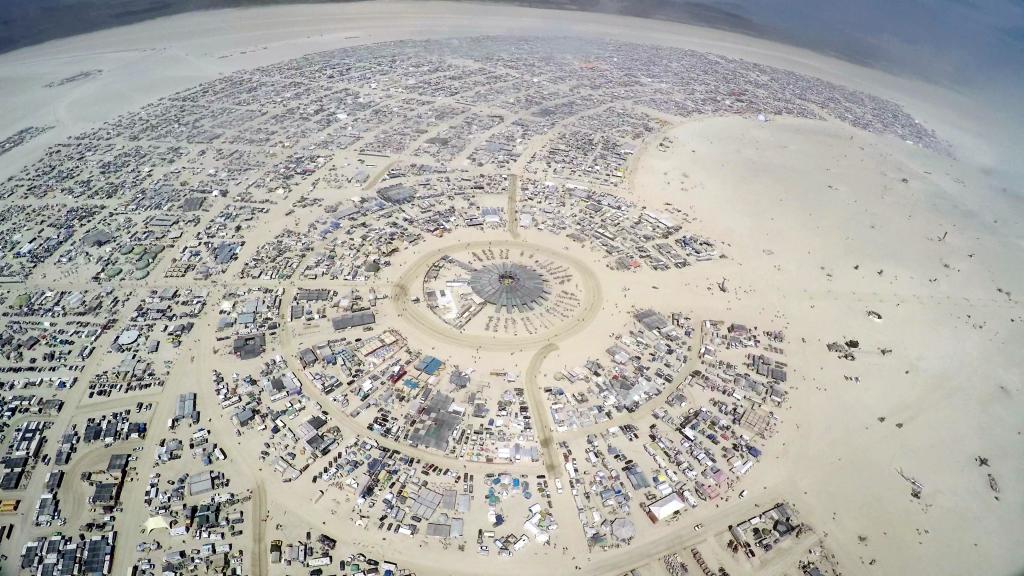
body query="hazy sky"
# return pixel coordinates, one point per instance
(947, 41)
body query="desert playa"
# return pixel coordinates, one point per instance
(451, 288)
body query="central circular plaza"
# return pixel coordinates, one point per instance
(498, 293)
(509, 286)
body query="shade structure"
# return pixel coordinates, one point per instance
(623, 529)
(509, 286)
(155, 523)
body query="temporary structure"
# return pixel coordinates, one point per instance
(665, 507)
(155, 523)
(623, 529)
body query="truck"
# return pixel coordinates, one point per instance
(275, 551)
(319, 561)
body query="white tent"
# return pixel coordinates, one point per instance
(156, 523)
(665, 507)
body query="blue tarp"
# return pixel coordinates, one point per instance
(754, 451)
(432, 366)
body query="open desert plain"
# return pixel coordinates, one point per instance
(426, 288)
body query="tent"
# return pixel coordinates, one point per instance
(155, 523)
(623, 529)
(665, 507)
